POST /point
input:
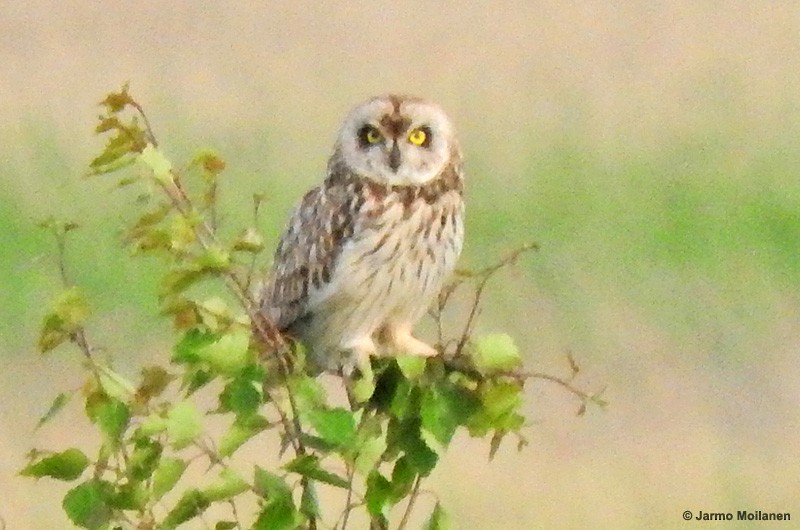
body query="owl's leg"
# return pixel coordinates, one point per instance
(400, 340)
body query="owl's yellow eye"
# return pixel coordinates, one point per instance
(369, 135)
(418, 137)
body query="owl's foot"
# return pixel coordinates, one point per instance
(401, 341)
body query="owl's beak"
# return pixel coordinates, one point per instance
(394, 157)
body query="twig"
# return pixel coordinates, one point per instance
(509, 259)
(257, 199)
(351, 472)
(147, 128)
(482, 276)
(410, 506)
(554, 379)
(235, 511)
(348, 507)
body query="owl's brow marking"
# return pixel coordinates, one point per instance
(395, 124)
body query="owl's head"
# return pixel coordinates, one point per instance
(396, 140)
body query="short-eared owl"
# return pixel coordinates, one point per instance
(365, 253)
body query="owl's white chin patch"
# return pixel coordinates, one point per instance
(406, 177)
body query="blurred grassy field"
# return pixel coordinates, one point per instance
(650, 150)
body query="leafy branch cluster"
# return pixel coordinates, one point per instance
(377, 448)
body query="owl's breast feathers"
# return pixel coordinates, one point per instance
(347, 212)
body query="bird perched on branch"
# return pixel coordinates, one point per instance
(366, 252)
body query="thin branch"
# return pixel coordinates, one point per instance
(509, 259)
(410, 506)
(61, 241)
(351, 472)
(348, 507)
(147, 128)
(564, 383)
(482, 276)
(257, 200)
(235, 511)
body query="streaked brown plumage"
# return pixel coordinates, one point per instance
(365, 252)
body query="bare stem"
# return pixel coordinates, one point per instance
(148, 129)
(412, 499)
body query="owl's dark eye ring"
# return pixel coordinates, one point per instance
(369, 135)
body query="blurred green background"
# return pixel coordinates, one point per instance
(651, 149)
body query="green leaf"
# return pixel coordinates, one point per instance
(166, 475)
(278, 514)
(113, 161)
(158, 164)
(114, 384)
(370, 446)
(194, 340)
(66, 316)
(129, 496)
(412, 366)
(195, 379)
(363, 387)
(309, 466)
(444, 407)
(144, 459)
(152, 424)
(249, 241)
(309, 502)
(191, 504)
(214, 259)
(111, 157)
(378, 495)
(183, 424)
(108, 413)
(67, 465)
(405, 400)
(229, 354)
(308, 392)
(241, 396)
(438, 519)
(178, 280)
(335, 426)
(55, 407)
(229, 485)
(87, 505)
(495, 353)
(270, 486)
(403, 476)
(181, 234)
(226, 525)
(500, 405)
(242, 430)
(210, 161)
(406, 436)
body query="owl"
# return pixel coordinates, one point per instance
(366, 252)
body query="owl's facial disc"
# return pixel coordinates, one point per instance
(397, 141)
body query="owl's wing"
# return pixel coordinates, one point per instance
(307, 253)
